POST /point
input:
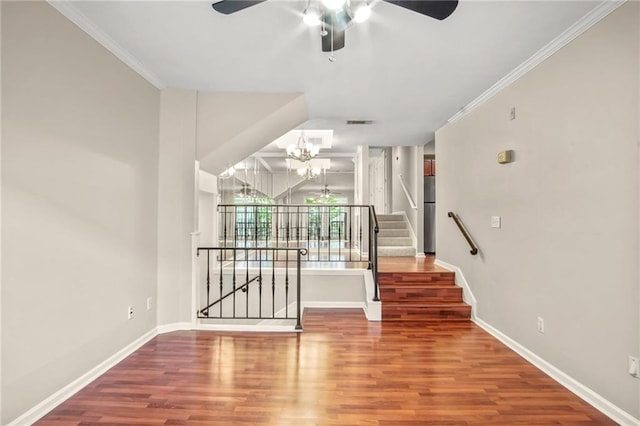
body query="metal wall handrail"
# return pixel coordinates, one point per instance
(465, 233)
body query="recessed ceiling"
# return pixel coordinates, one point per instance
(404, 71)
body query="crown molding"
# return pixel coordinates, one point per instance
(582, 25)
(68, 10)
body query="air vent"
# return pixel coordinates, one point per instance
(360, 122)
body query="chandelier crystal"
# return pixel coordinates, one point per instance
(302, 151)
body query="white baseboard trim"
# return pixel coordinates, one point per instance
(461, 281)
(255, 328)
(176, 326)
(606, 407)
(333, 305)
(41, 409)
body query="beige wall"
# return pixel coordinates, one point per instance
(233, 126)
(176, 194)
(568, 247)
(79, 204)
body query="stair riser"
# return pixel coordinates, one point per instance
(406, 312)
(425, 294)
(392, 225)
(396, 251)
(394, 241)
(417, 278)
(390, 217)
(384, 233)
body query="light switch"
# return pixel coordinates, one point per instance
(495, 221)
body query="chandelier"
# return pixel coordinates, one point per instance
(302, 151)
(308, 172)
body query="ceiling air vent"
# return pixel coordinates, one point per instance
(360, 122)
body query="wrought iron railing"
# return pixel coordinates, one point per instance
(336, 233)
(249, 283)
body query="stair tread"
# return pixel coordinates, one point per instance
(422, 296)
(431, 286)
(428, 304)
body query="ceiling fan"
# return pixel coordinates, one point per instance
(335, 15)
(326, 192)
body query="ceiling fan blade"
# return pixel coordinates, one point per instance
(438, 9)
(232, 6)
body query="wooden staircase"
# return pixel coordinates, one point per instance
(422, 296)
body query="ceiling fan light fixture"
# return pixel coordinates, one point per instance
(311, 16)
(362, 12)
(334, 4)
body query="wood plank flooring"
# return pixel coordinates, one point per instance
(342, 370)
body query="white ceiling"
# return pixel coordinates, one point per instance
(406, 72)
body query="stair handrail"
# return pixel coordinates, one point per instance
(204, 313)
(412, 203)
(465, 233)
(374, 229)
(243, 288)
(293, 232)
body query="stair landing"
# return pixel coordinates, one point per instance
(417, 290)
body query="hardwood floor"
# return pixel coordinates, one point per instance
(342, 370)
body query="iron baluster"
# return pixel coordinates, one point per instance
(246, 290)
(221, 256)
(260, 285)
(286, 285)
(327, 212)
(298, 309)
(233, 282)
(273, 288)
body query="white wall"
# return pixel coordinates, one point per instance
(408, 161)
(207, 214)
(79, 203)
(430, 148)
(568, 247)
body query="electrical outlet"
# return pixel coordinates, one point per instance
(130, 312)
(148, 303)
(540, 325)
(513, 113)
(634, 366)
